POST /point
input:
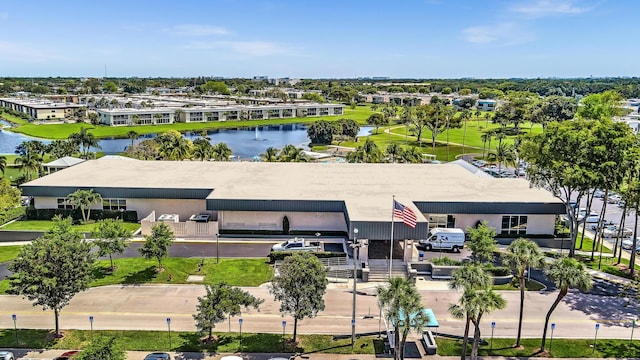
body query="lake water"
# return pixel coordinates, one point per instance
(244, 142)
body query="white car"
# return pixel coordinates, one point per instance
(6, 355)
(592, 218)
(613, 232)
(627, 244)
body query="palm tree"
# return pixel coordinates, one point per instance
(485, 137)
(85, 140)
(402, 306)
(221, 152)
(132, 136)
(270, 154)
(202, 149)
(412, 155)
(469, 277)
(466, 115)
(3, 163)
(83, 199)
(487, 116)
(394, 152)
(505, 153)
(135, 118)
(29, 163)
(474, 304)
(567, 273)
(291, 153)
(520, 255)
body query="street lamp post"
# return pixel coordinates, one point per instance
(353, 329)
(355, 246)
(595, 338)
(91, 324)
(169, 327)
(284, 325)
(493, 326)
(633, 326)
(217, 248)
(553, 327)
(240, 323)
(15, 327)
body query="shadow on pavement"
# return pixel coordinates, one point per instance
(609, 310)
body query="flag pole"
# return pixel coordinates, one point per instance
(393, 204)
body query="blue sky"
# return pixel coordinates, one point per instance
(320, 39)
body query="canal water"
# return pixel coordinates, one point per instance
(244, 142)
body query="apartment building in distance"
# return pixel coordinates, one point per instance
(42, 109)
(170, 115)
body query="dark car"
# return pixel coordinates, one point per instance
(158, 356)
(69, 355)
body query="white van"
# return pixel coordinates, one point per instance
(444, 239)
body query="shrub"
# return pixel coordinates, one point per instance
(497, 270)
(446, 261)
(10, 214)
(48, 214)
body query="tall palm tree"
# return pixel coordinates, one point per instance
(3, 164)
(485, 137)
(83, 199)
(412, 156)
(270, 154)
(567, 273)
(466, 115)
(522, 254)
(132, 135)
(504, 154)
(474, 304)
(469, 277)
(29, 163)
(221, 152)
(402, 306)
(85, 140)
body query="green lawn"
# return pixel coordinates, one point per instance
(8, 253)
(561, 348)
(587, 244)
(229, 342)
(44, 225)
(189, 341)
(607, 265)
(236, 272)
(530, 285)
(62, 131)
(12, 118)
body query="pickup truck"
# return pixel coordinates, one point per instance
(297, 244)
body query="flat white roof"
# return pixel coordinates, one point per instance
(367, 189)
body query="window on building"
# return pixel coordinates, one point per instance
(114, 204)
(514, 225)
(441, 221)
(63, 203)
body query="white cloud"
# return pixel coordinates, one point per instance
(198, 30)
(541, 8)
(249, 48)
(498, 34)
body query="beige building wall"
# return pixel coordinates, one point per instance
(183, 207)
(271, 220)
(43, 114)
(536, 224)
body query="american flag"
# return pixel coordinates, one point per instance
(404, 213)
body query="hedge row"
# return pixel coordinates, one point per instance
(10, 214)
(280, 255)
(76, 214)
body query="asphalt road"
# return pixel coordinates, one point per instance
(147, 307)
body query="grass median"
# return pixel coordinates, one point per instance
(227, 342)
(44, 225)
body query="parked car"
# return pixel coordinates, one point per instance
(158, 356)
(627, 244)
(6, 355)
(598, 193)
(613, 232)
(614, 199)
(605, 223)
(592, 218)
(69, 355)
